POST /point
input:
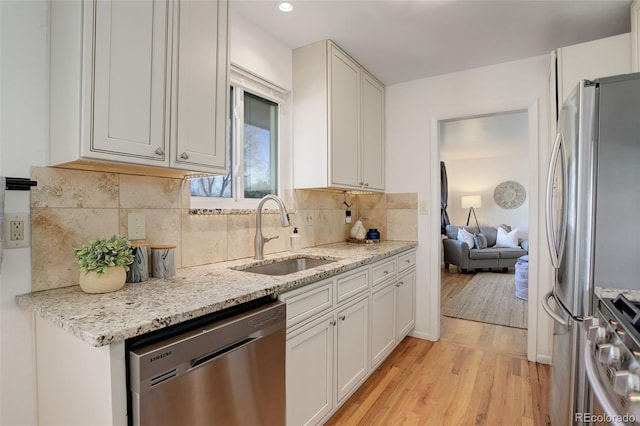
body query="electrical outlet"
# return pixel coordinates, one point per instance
(17, 230)
(309, 219)
(136, 228)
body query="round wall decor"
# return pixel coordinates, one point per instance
(509, 195)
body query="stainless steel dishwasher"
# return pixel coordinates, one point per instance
(230, 371)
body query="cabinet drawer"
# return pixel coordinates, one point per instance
(353, 284)
(406, 261)
(307, 301)
(383, 271)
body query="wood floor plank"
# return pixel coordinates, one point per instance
(476, 374)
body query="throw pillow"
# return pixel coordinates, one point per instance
(507, 239)
(464, 235)
(480, 241)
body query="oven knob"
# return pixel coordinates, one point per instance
(598, 335)
(633, 406)
(609, 354)
(625, 382)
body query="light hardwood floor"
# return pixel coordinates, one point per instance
(476, 374)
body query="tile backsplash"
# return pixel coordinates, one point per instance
(71, 207)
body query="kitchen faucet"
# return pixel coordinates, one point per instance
(260, 239)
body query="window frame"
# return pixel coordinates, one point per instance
(245, 81)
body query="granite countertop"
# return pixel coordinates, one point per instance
(612, 293)
(136, 309)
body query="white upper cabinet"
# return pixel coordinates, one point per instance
(372, 132)
(199, 118)
(344, 120)
(130, 81)
(591, 60)
(141, 83)
(338, 121)
(635, 36)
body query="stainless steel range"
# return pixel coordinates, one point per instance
(612, 362)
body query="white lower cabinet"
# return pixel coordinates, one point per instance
(310, 372)
(352, 347)
(326, 359)
(405, 305)
(383, 312)
(392, 315)
(340, 329)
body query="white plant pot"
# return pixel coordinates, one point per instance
(114, 279)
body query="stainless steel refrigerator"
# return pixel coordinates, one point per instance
(593, 222)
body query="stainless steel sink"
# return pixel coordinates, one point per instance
(287, 266)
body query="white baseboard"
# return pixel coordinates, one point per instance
(543, 359)
(421, 335)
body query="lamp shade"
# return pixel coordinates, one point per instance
(469, 201)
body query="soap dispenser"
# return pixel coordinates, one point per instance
(295, 240)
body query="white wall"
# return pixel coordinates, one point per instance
(23, 137)
(23, 142)
(413, 111)
(480, 153)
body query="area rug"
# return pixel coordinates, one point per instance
(489, 297)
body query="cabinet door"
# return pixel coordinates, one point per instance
(199, 128)
(344, 119)
(352, 347)
(405, 305)
(373, 157)
(383, 337)
(310, 372)
(129, 111)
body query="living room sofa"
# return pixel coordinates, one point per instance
(458, 253)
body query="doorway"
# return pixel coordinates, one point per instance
(480, 152)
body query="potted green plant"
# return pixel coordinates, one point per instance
(104, 264)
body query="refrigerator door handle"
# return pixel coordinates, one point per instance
(598, 388)
(553, 314)
(556, 254)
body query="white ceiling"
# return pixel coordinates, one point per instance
(404, 40)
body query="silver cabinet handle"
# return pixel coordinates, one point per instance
(599, 389)
(549, 310)
(160, 151)
(342, 317)
(184, 156)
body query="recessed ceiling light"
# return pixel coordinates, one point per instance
(285, 7)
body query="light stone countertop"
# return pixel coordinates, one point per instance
(611, 293)
(136, 309)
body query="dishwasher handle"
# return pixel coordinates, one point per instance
(220, 352)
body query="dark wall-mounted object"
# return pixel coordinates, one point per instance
(19, 184)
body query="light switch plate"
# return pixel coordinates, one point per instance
(17, 230)
(136, 228)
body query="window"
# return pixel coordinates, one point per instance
(254, 141)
